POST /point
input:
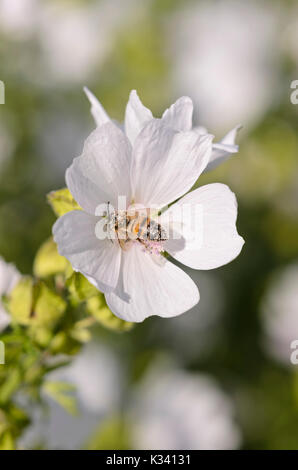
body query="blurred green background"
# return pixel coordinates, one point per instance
(236, 60)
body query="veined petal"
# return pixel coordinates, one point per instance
(179, 115)
(167, 163)
(75, 236)
(101, 173)
(97, 110)
(207, 218)
(164, 290)
(136, 116)
(224, 149)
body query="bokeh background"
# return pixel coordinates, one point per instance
(219, 376)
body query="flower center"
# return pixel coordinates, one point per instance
(130, 226)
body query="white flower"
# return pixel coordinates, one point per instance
(162, 164)
(97, 377)
(18, 17)
(9, 276)
(280, 313)
(88, 28)
(96, 374)
(178, 117)
(177, 410)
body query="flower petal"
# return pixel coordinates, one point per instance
(75, 236)
(209, 216)
(179, 115)
(97, 110)
(9, 277)
(136, 116)
(223, 150)
(164, 290)
(101, 173)
(167, 163)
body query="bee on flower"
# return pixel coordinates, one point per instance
(131, 186)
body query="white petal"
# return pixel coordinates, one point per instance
(179, 115)
(9, 277)
(75, 236)
(5, 319)
(97, 110)
(223, 150)
(101, 173)
(212, 242)
(167, 163)
(164, 290)
(200, 130)
(136, 116)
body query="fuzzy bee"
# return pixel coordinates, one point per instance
(125, 227)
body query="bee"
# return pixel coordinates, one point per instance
(134, 225)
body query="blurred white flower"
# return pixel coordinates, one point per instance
(161, 166)
(290, 36)
(61, 136)
(179, 410)
(96, 374)
(76, 39)
(18, 18)
(9, 276)
(178, 117)
(280, 313)
(225, 55)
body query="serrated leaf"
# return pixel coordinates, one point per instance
(48, 261)
(20, 301)
(62, 202)
(35, 304)
(49, 307)
(97, 307)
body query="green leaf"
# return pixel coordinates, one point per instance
(49, 307)
(20, 301)
(97, 307)
(63, 343)
(10, 385)
(80, 334)
(80, 330)
(80, 288)
(35, 304)
(62, 202)
(48, 262)
(60, 392)
(41, 335)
